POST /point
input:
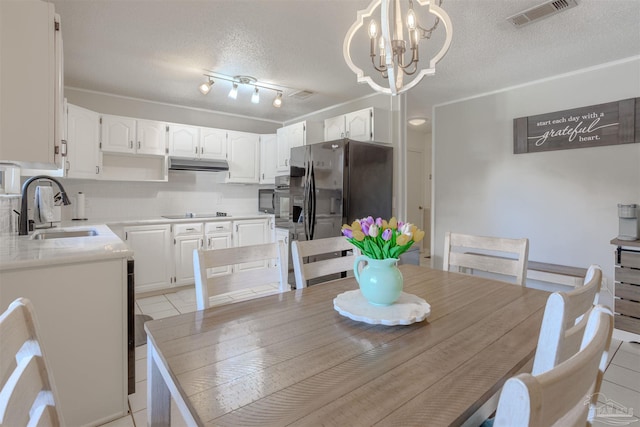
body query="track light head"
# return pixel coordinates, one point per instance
(255, 98)
(233, 93)
(277, 102)
(206, 86)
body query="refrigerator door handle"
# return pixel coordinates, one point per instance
(312, 219)
(305, 212)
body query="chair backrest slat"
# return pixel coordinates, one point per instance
(301, 249)
(566, 394)
(204, 260)
(564, 323)
(464, 251)
(27, 393)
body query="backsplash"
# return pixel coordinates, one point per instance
(200, 192)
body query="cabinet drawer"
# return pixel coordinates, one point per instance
(217, 227)
(187, 229)
(626, 291)
(629, 258)
(625, 323)
(628, 275)
(628, 308)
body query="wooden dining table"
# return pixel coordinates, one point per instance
(292, 359)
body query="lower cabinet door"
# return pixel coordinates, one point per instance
(184, 247)
(151, 250)
(219, 241)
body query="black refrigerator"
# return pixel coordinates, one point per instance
(336, 182)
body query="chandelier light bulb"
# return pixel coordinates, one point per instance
(373, 29)
(277, 102)
(255, 98)
(411, 20)
(233, 93)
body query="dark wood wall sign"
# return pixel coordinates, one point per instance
(603, 124)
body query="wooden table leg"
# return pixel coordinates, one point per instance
(158, 395)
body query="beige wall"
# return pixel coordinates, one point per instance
(563, 201)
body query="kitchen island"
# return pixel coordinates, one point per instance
(78, 286)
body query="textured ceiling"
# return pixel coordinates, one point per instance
(159, 49)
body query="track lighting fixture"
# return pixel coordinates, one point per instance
(206, 86)
(233, 93)
(277, 102)
(237, 82)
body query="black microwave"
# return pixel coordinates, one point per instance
(265, 200)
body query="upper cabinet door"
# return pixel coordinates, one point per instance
(30, 105)
(282, 150)
(243, 151)
(118, 134)
(297, 135)
(358, 125)
(268, 158)
(151, 137)
(334, 128)
(184, 141)
(213, 143)
(83, 135)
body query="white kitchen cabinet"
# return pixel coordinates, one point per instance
(218, 236)
(334, 128)
(243, 156)
(268, 158)
(132, 136)
(151, 245)
(288, 137)
(193, 142)
(83, 137)
(213, 143)
(184, 141)
(186, 239)
(282, 235)
(251, 232)
(367, 124)
(31, 111)
(81, 308)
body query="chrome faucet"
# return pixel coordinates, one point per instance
(24, 220)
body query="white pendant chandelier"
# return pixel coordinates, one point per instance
(394, 44)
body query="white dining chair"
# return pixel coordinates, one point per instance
(498, 255)
(305, 265)
(208, 285)
(564, 322)
(567, 394)
(28, 395)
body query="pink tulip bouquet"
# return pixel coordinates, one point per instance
(381, 239)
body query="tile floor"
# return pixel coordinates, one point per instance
(621, 380)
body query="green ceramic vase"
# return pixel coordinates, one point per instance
(380, 280)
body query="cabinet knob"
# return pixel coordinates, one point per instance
(130, 144)
(139, 145)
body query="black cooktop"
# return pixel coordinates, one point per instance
(196, 215)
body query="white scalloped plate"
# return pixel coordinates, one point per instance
(406, 310)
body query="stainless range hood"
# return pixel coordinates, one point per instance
(206, 165)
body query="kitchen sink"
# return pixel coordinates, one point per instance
(45, 235)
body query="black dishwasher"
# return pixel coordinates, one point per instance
(131, 341)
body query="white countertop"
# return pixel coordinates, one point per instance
(18, 252)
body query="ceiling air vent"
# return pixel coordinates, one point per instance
(541, 11)
(301, 94)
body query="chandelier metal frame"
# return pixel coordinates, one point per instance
(392, 65)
